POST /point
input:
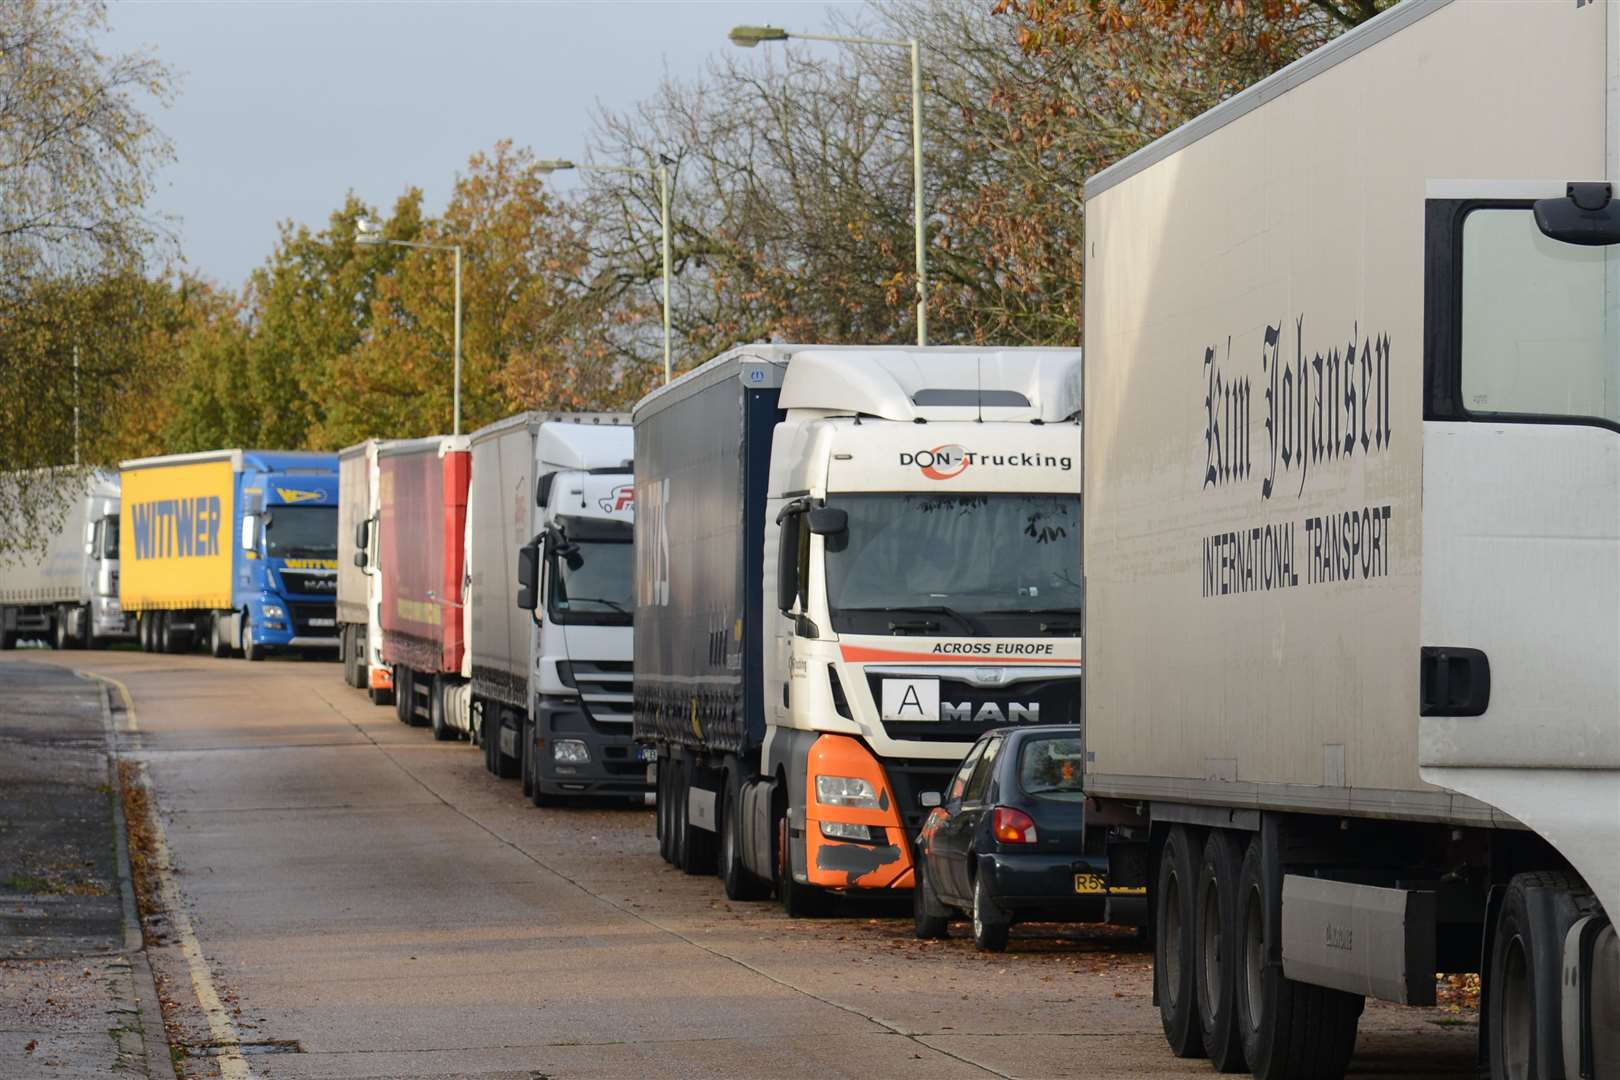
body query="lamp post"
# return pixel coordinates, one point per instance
(662, 173)
(750, 36)
(369, 234)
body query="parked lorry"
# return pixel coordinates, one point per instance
(1352, 540)
(850, 563)
(549, 547)
(359, 583)
(234, 547)
(67, 591)
(421, 544)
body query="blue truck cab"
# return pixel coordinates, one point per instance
(285, 566)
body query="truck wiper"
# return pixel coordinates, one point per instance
(614, 604)
(925, 609)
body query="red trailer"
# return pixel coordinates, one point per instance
(422, 527)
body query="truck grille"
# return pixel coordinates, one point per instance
(604, 689)
(310, 583)
(304, 617)
(1043, 701)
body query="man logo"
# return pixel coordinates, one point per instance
(294, 496)
(940, 463)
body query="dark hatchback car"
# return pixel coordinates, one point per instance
(1008, 843)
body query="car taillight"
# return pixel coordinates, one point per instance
(1012, 826)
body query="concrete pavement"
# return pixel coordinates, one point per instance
(369, 903)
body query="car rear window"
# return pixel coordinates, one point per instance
(1050, 768)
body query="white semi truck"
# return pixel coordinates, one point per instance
(549, 564)
(1352, 540)
(67, 593)
(850, 562)
(359, 576)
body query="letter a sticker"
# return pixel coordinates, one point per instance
(911, 699)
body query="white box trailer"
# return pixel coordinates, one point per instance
(359, 588)
(67, 591)
(1352, 539)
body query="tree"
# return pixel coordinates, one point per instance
(76, 164)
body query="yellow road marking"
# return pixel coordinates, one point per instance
(232, 1065)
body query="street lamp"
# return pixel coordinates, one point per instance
(370, 234)
(662, 172)
(749, 36)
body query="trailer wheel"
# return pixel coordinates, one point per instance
(1290, 1029)
(1174, 944)
(739, 881)
(666, 831)
(346, 645)
(1216, 900)
(677, 816)
(402, 694)
(61, 637)
(1525, 1023)
(697, 844)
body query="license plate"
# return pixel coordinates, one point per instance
(323, 622)
(1090, 883)
(646, 753)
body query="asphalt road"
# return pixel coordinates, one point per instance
(366, 902)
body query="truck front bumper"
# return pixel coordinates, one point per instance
(615, 767)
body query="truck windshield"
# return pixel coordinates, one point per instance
(109, 536)
(956, 565)
(595, 584)
(308, 532)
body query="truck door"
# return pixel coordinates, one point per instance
(1520, 626)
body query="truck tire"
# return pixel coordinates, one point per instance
(526, 755)
(346, 647)
(1290, 1030)
(697, 844)
(798, 901)
(665, 830)
(61, 637)
(1174, 943)
(740, 883)
(219, 646)
(403, 701)
(1215, 900)
(380, 695)
(8, 640)
(437, 720)
(251, 649)
(1525, 1028)
(932, 918)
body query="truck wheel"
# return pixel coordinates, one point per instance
(219, 646)
(251, 648)
(798, 901)
(526, 755)
(1290, 1029)
(1525, 1023)
(380, 695)
(1174, 944)
(740, 882)
(666, 831)
(697, 844)
(990, 924)
(932, 922)
(402, 694)
(8, 640)
(63, 637)
(1215, 899)
(346, 646)
(442, 731)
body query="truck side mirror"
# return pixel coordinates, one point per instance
(542, 489)
(528, 575)
(828, 521)
(360, 559)
(1586, 215)
(787, 562)
(250, 530)
(362, 535)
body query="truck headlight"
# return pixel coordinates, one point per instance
(838, 830)
(846, 791)
(272, 611)
(570, 752)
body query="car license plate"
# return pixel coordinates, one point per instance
(323, 622)
(646, 753)
(1090, 883)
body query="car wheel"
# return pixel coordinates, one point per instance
(251, 649)
(990, 924)
(932, 924)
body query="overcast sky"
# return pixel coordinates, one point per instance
(284, 106)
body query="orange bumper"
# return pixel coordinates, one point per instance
(835, 863)
(382, 678)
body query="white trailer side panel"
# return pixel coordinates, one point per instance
(500, 520)
(1253, 422)
(57, 575)
(354, 507)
